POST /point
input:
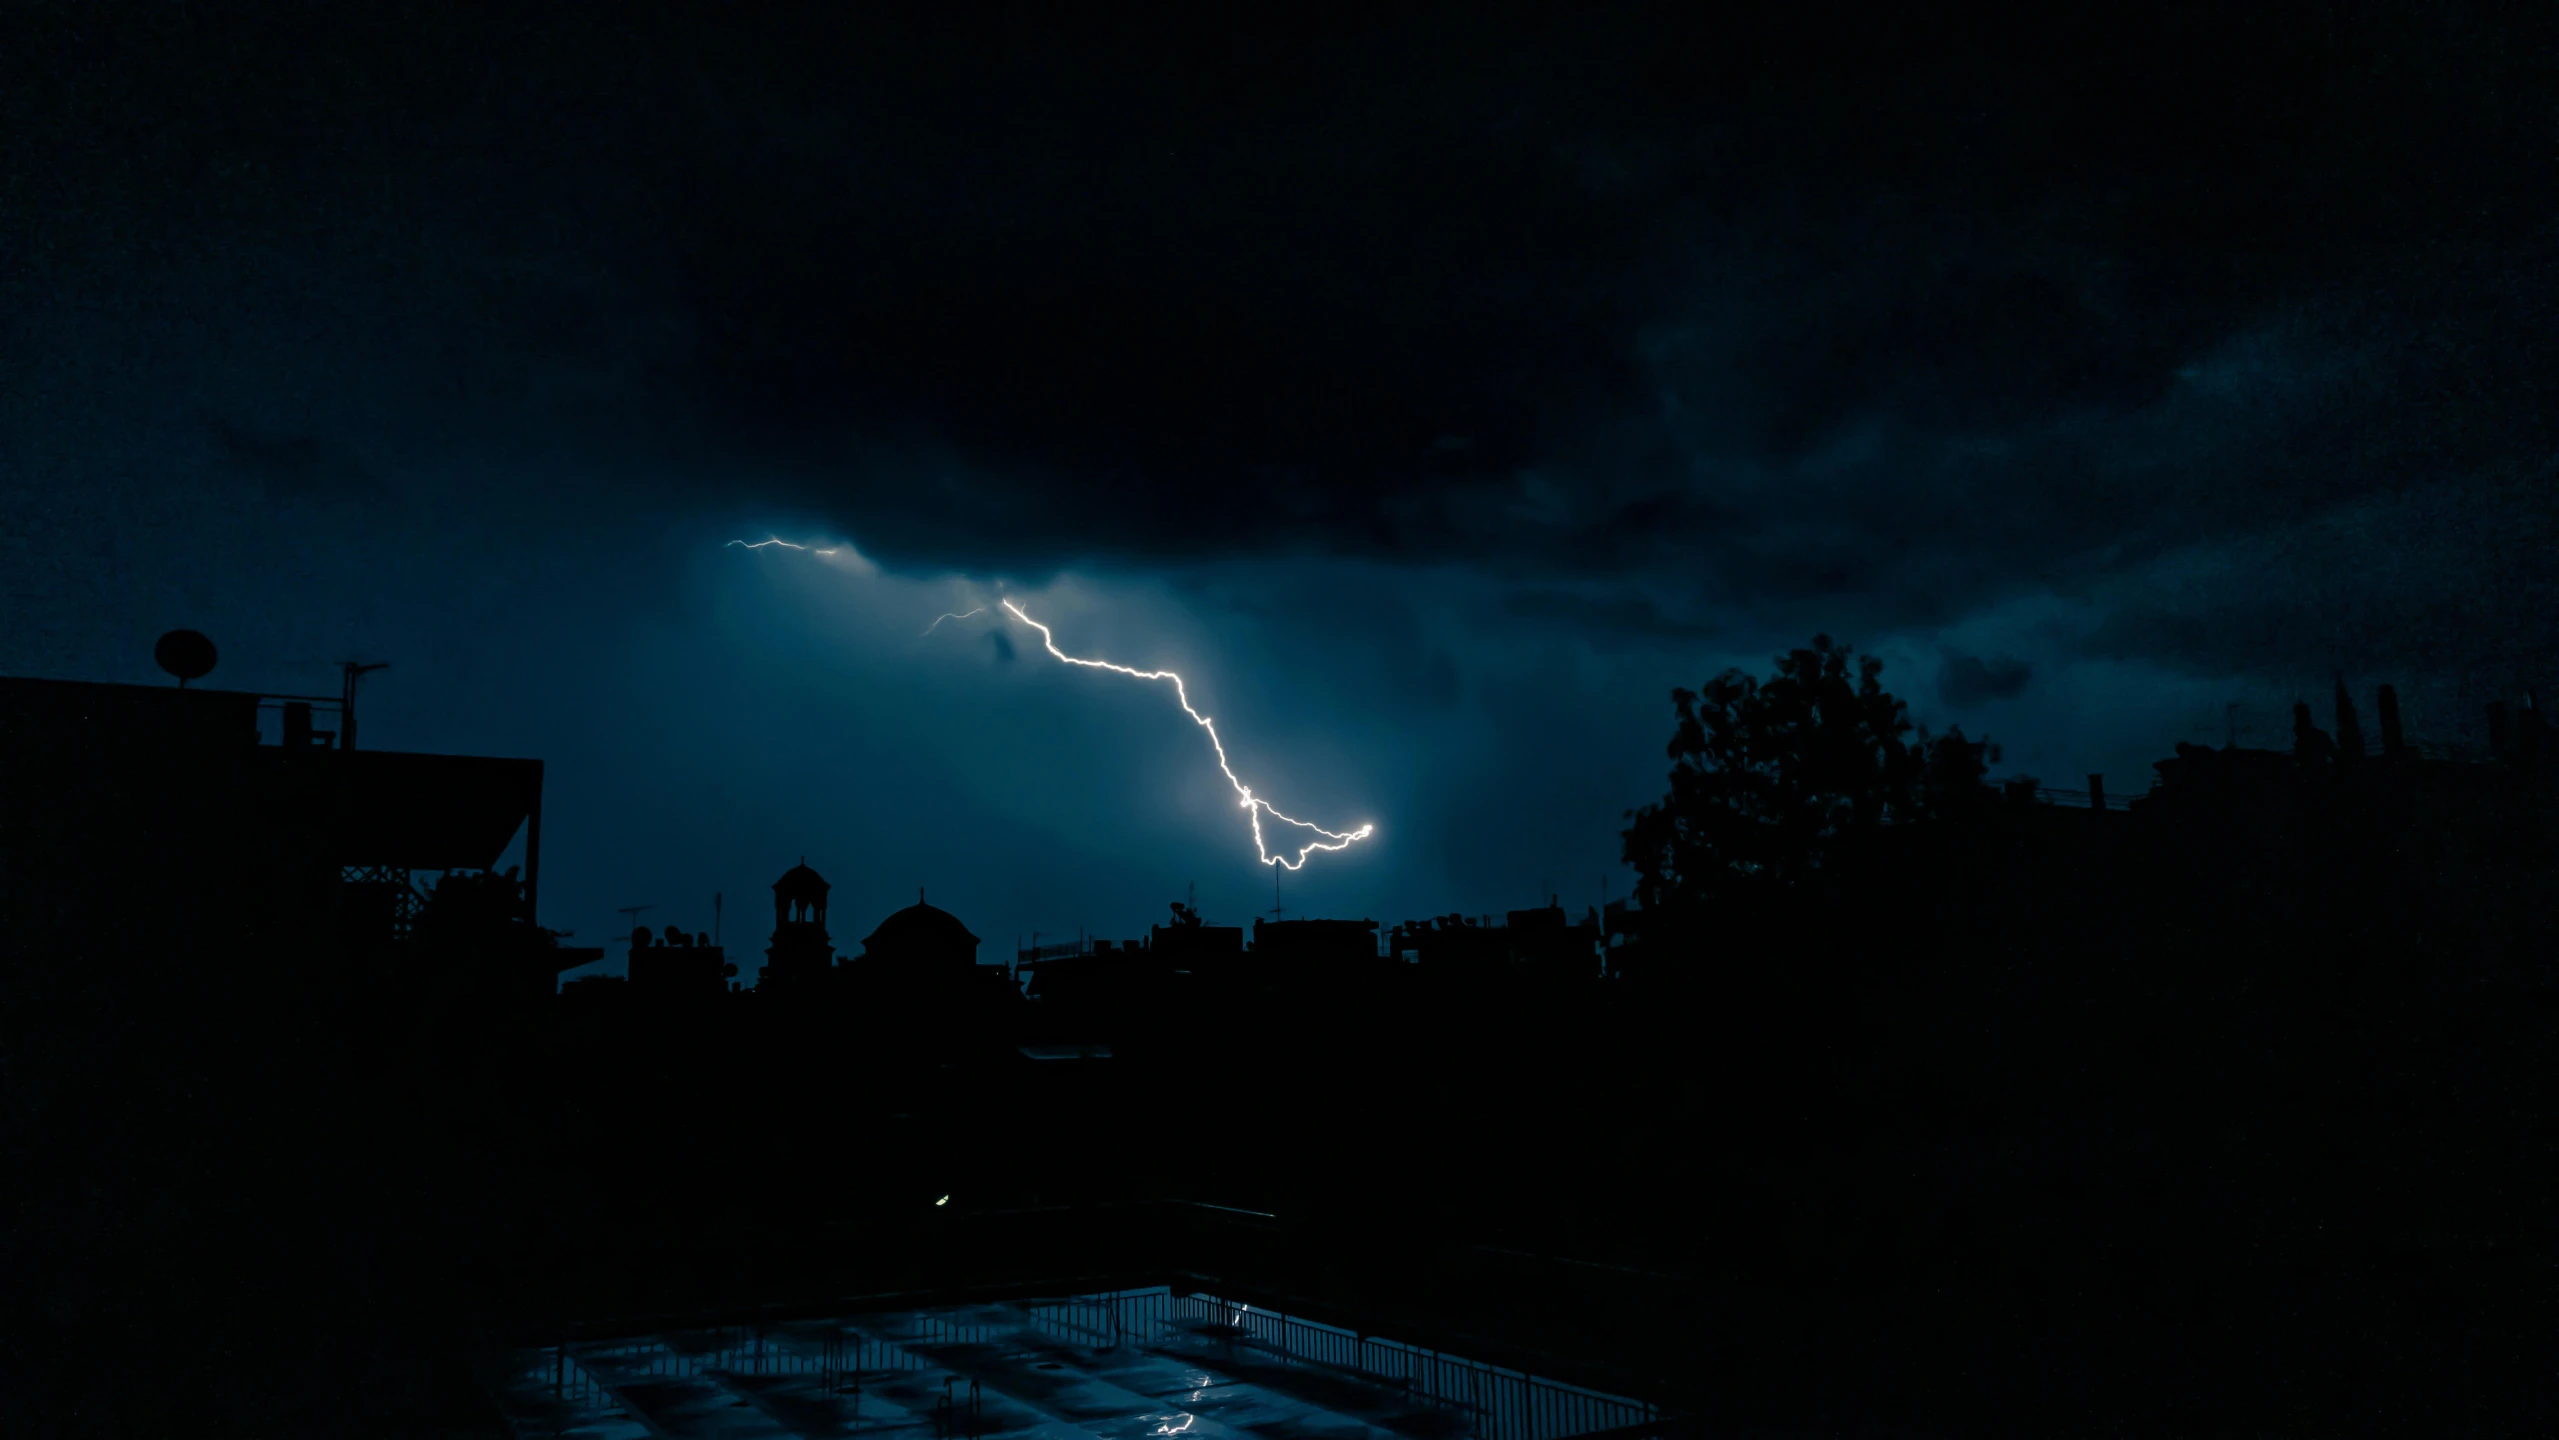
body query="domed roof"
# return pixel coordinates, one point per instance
(802, 879)
(920, 926)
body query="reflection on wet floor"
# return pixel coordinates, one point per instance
(1132, 1365)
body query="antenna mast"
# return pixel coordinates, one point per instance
(632, 914)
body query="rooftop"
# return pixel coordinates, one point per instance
(1128, 1365)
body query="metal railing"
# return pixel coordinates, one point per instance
(1497, 1403)
(1105, 1322)
(838, 1353)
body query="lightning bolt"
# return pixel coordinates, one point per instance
(1330, 840)
(1245, 799)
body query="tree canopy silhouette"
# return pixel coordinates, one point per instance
(1775, 782)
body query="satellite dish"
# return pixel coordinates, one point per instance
(185, 654)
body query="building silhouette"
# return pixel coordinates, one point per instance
(678, 965)
(919, 945)
(801, 953)
(1547, 946)
(921, 962)
(325, 843)
(252, 1028)
(1192, 946)
(1313, 954)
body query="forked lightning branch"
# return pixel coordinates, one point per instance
(1254, 806)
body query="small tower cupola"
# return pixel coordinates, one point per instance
(799, 897)
(801, 949)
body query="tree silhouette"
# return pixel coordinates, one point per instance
(1774, 783)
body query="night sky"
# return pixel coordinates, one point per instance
(1434, 393)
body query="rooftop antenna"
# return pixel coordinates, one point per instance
(632, 914)
(1277, 911)
(353, 670)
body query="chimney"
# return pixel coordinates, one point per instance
(2394, 744)
(2350, 731)
(2096, 792)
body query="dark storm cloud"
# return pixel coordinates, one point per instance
(1867, 332)
(2449, 579)
(1259, 311)
(1604, 614)
(1875, 318)
(1967, 680)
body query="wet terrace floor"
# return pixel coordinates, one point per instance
(1137, 1365)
